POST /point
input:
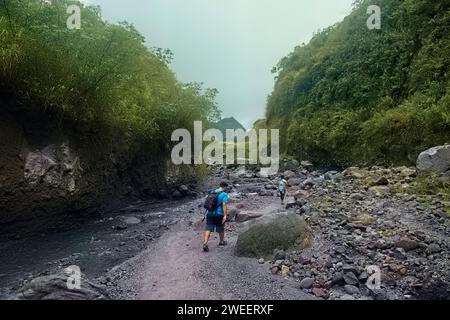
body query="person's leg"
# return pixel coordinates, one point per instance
(206, 237)
(208, 229)
(220, 228)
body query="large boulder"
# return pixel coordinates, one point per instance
(436, 159)
(57, 287)
(284, 231)
(289, 174)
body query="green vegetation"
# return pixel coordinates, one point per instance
(359, 96)
(101, 76)
(428, 184)
(431, 183)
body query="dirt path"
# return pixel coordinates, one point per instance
(176, 268)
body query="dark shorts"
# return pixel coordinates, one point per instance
(214, 223)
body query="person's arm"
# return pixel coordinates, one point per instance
(225, 212)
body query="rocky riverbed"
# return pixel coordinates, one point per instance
(360, 221)
(358, 218)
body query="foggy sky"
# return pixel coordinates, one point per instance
(230, 45)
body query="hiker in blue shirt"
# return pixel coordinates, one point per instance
(282, 188)
(215, 220)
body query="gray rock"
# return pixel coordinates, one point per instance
(232, 213)
(353, 290)
(131, 220)
(436, 159)
(380, 190)
(434, 248)
(291, 203)
(351, 268)
(308, 183)
(121, 226)
(280, 255)
(307, 164)
(407, 244)
(183, 189)
(265, 193)
(177, 194)
(357, 196)
(289, 174)
(379, 181)
(246, 216)
(294, 182)
(55, 287)
(306, 283)
(350, 278)
(338, 279)
(408, 172)
(320, 293)
(55, 166)
(363, 276)
(278, 263)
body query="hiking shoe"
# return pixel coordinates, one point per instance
(205, 248)
(222, 243)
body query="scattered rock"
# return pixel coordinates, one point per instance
(350, 278)
(280, 255)
(338, 279)
(408, 172)
(177, 194)
(380, 190)
(289, 174)
(184, 190)
(232, 213)
(320, 293)
(246, 216)
(308, 183)
(353, 290)
(407, 244)
(357, 196)
(378, 181)
(434, 248)
(284, 271)
(306, 164)
(436, 159)
(131, 220)
(354, 172)
(306, 283)
(55, 287)
(291, 203)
